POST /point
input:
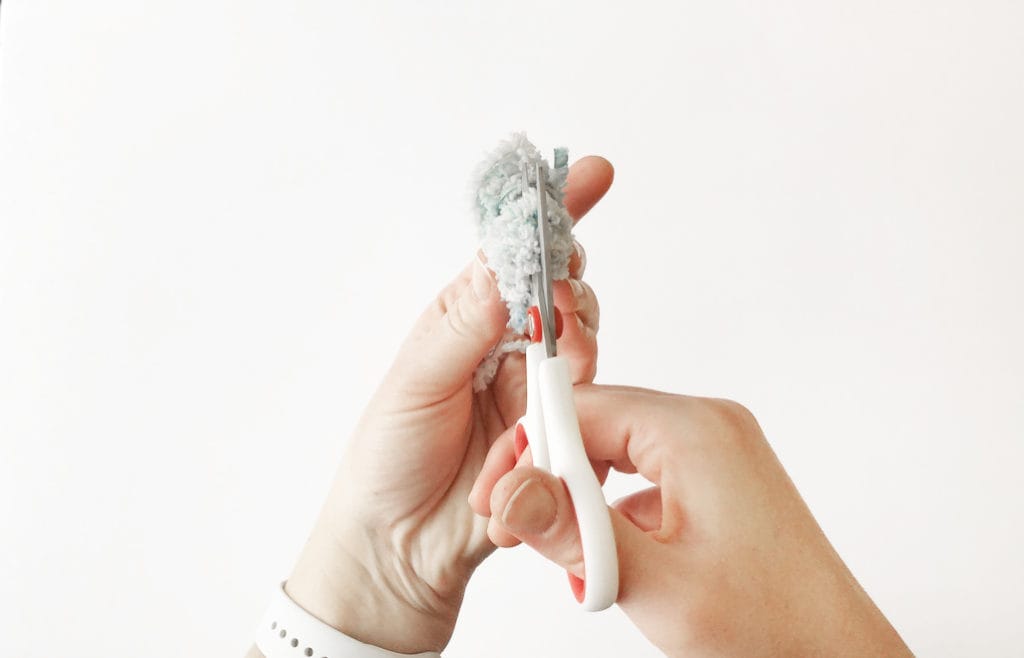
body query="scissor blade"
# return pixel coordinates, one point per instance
(545, 296)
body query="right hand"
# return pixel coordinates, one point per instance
(720, 557)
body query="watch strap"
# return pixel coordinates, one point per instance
(289, 631)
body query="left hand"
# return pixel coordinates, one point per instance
(396, 542)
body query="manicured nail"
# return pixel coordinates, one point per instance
(579, 588)
(530, 510)
(559, 323)
(521, 441)
(483, 283)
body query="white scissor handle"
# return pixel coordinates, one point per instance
(569, 461)
(532, 421)
(556, 445)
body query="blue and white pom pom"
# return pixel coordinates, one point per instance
(507, 222)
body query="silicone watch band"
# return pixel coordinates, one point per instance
(288, 631)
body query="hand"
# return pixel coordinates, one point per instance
(395, 544)
(721, 557)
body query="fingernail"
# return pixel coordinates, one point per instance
(559, 322)
(530, 510)
(483, 283)
(579, 588)
(576, 287)
(582, 253)
(520, 442)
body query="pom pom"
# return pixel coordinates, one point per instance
(507, 226)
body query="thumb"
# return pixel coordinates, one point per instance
(535, 507)
(452, 336)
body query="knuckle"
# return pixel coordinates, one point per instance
(733, 411)
(446, 298)
(732, 418)
(458, 319)
(439, 306)
(676, 404)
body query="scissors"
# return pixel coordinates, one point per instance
(551, 429)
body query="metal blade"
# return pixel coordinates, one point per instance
(545, 296)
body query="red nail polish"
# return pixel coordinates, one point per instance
(521, 441)
(579, 588)
(534, 327)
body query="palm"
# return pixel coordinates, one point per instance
(491, 413)
(423, 447)
(430, 475)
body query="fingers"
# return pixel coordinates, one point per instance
(636, 429)
(577, 261)
(535, 507)
(575, 296)
(451, 337)
(499, 536)
(683, 444)
(455, 333)
(620, 426)
(589, 179)
(601, 469)
(643, 508)
(580, 316)
(579, 345)
(500, 459)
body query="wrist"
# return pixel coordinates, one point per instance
(842, 618)
(364, 591)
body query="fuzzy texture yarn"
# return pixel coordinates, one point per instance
(507, 227)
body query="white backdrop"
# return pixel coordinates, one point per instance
(219, 218)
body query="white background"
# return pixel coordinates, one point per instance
(219, 218)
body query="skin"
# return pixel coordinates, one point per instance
(395, 543)
(719, 557)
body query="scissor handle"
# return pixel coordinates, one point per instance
(569, 461)
(531, 426)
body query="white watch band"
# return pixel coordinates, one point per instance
(288, 631)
